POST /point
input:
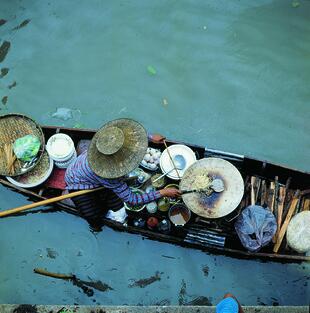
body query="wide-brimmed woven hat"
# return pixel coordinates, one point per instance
(117, 148)
(217, 204)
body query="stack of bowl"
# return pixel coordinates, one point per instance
(61, 149)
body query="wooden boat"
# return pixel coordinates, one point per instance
(263, 181)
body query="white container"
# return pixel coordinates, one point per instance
(61, 149)
(151, 207)
(65, 164)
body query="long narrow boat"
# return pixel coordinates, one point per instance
(261, 180)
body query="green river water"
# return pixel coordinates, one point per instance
(231, 75)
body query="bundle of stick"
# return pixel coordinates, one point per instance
(10, 158)
(278, 198)
(304, 204)
(282, 229)
(205, 237)
(282, 201)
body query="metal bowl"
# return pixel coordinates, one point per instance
(179, 214)
(37, 176)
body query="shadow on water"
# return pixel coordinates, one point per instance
(86, 286)
(2, 21)
(22, 24)
(142, 283)
(4, 49)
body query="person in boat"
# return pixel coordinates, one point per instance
(229, 304)
(116, 149)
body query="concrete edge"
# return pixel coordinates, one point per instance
(26, 308)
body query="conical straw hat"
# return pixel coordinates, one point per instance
(117, 148)
(217, 204)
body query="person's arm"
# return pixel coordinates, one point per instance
(229, 295)
(123, 191)
(156, 138)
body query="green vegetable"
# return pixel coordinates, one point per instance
(27, 147)
(151, 70)
(295, 4)
(78, 125)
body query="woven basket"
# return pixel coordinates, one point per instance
(12, 127)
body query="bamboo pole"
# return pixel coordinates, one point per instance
(271, 196)
(257, 188)
(48, 201)
(41, 271)
(253, 179)
(263, 193)
(286, 222)
(282, 192)
(306, 205)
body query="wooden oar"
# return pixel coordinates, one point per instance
(48, 201)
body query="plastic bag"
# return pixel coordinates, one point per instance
(255, 227)
(27, 147)
(66, 114)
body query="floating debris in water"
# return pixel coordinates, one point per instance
(123, 110)
(168, 257)
(205, 27)
(84, 285)
(51, 253)
(98, 285)
(4, 72)
(201, 300)
(2, 21)
(79, 125)
(295, 4)
(22, 24)
(63, 114)
(12, 85)
(205, 270)
(182, 293)
(259, 302)
(163, 302)
(4, 100)
(146, 281)
(151, 70)
(67, 114)
(4, 49)
(165, 102)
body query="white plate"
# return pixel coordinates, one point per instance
(165, 162)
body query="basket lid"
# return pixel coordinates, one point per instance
(12, 127)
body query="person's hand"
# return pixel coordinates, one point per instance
(157, 138)
(170, 192)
